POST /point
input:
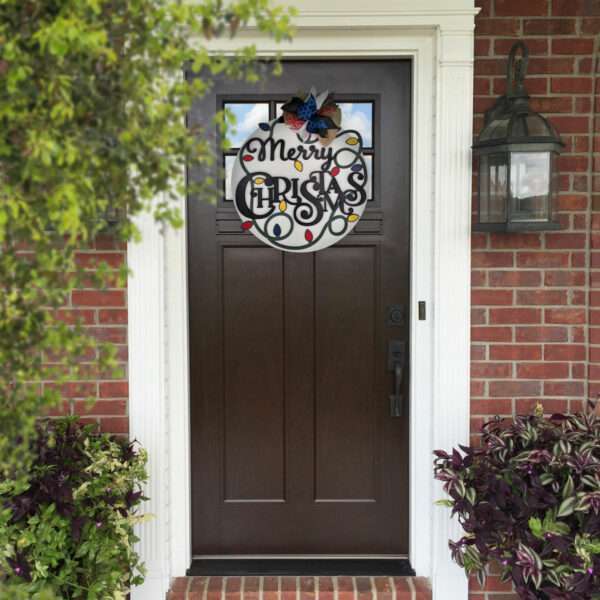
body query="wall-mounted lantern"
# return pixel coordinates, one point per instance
(517, 152)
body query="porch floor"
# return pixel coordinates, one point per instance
(299, 588)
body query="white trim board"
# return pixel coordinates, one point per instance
(439, 40)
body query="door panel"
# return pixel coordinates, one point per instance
(294, 450)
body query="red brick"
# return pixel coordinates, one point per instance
(215, 587)
(564, 315)
(573, 46)
(515, 388)
(573, 164)
(491, 406)
(477, 352)
(526, 406)
(515, 241)
(180, 584)
(590, 26)
(482, 103)
(542, 334)
(100, 407)
(535, 85)
(549, 26)
(482, 47)
(515, 315)
(478, 316)
(542, 370)
(556, 241)
(515, 352)
(564, 352)
(542, 297)
(567, 8)
(197, 587)
(114, 424)
(491, 259)
(542, 259)
(115, 316)
(363, 588)
(98, 298)
(572, 201)
(568, 124)
(518, 8)
(478, 278)
(490, 66)
(560, 66)
(477, 388)
(556, 104)
(563, 388)
(488, 370)
(514, 278)
(491, 334)
(537, 46)
(478, 240)
(491, 297)
(114, 389)
(497, 27)
(482, 86)
(564, 278)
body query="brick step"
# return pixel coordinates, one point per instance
(299, 588)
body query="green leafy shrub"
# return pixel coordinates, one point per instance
(68, 527)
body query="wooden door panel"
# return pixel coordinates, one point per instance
(345, 423)
(253, 374)
(294, 450)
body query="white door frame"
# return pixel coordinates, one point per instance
(438, 36)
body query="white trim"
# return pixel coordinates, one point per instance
(439, 40)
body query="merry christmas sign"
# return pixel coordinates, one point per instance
(299, 182)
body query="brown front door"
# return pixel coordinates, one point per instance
(294, 446)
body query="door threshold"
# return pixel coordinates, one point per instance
(236, 567)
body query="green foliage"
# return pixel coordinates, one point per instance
(68, 528)
(92, 123)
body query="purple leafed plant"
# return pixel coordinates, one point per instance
(529, 498)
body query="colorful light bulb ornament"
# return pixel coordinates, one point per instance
(300, 181)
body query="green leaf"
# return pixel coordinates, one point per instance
(567, 507)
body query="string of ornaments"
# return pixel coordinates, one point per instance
(300, 181)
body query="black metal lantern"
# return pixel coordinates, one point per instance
(517, 151)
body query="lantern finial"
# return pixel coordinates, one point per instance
(516, 71)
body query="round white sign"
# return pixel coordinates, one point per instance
(295, 193)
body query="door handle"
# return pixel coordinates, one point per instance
(396, 352)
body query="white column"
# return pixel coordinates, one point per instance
(452, 281)
(147, 402)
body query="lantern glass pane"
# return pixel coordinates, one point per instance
(536, 126)
(493, 187)
(530, 186)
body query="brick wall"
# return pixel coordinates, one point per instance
(104, 313)
(536, 311)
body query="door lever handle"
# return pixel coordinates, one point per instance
(396, 399)
(396, 350)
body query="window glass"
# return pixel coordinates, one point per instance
(228, 167)
(247, 117)
(359, 116)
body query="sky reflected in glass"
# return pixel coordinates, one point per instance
(247, 118)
